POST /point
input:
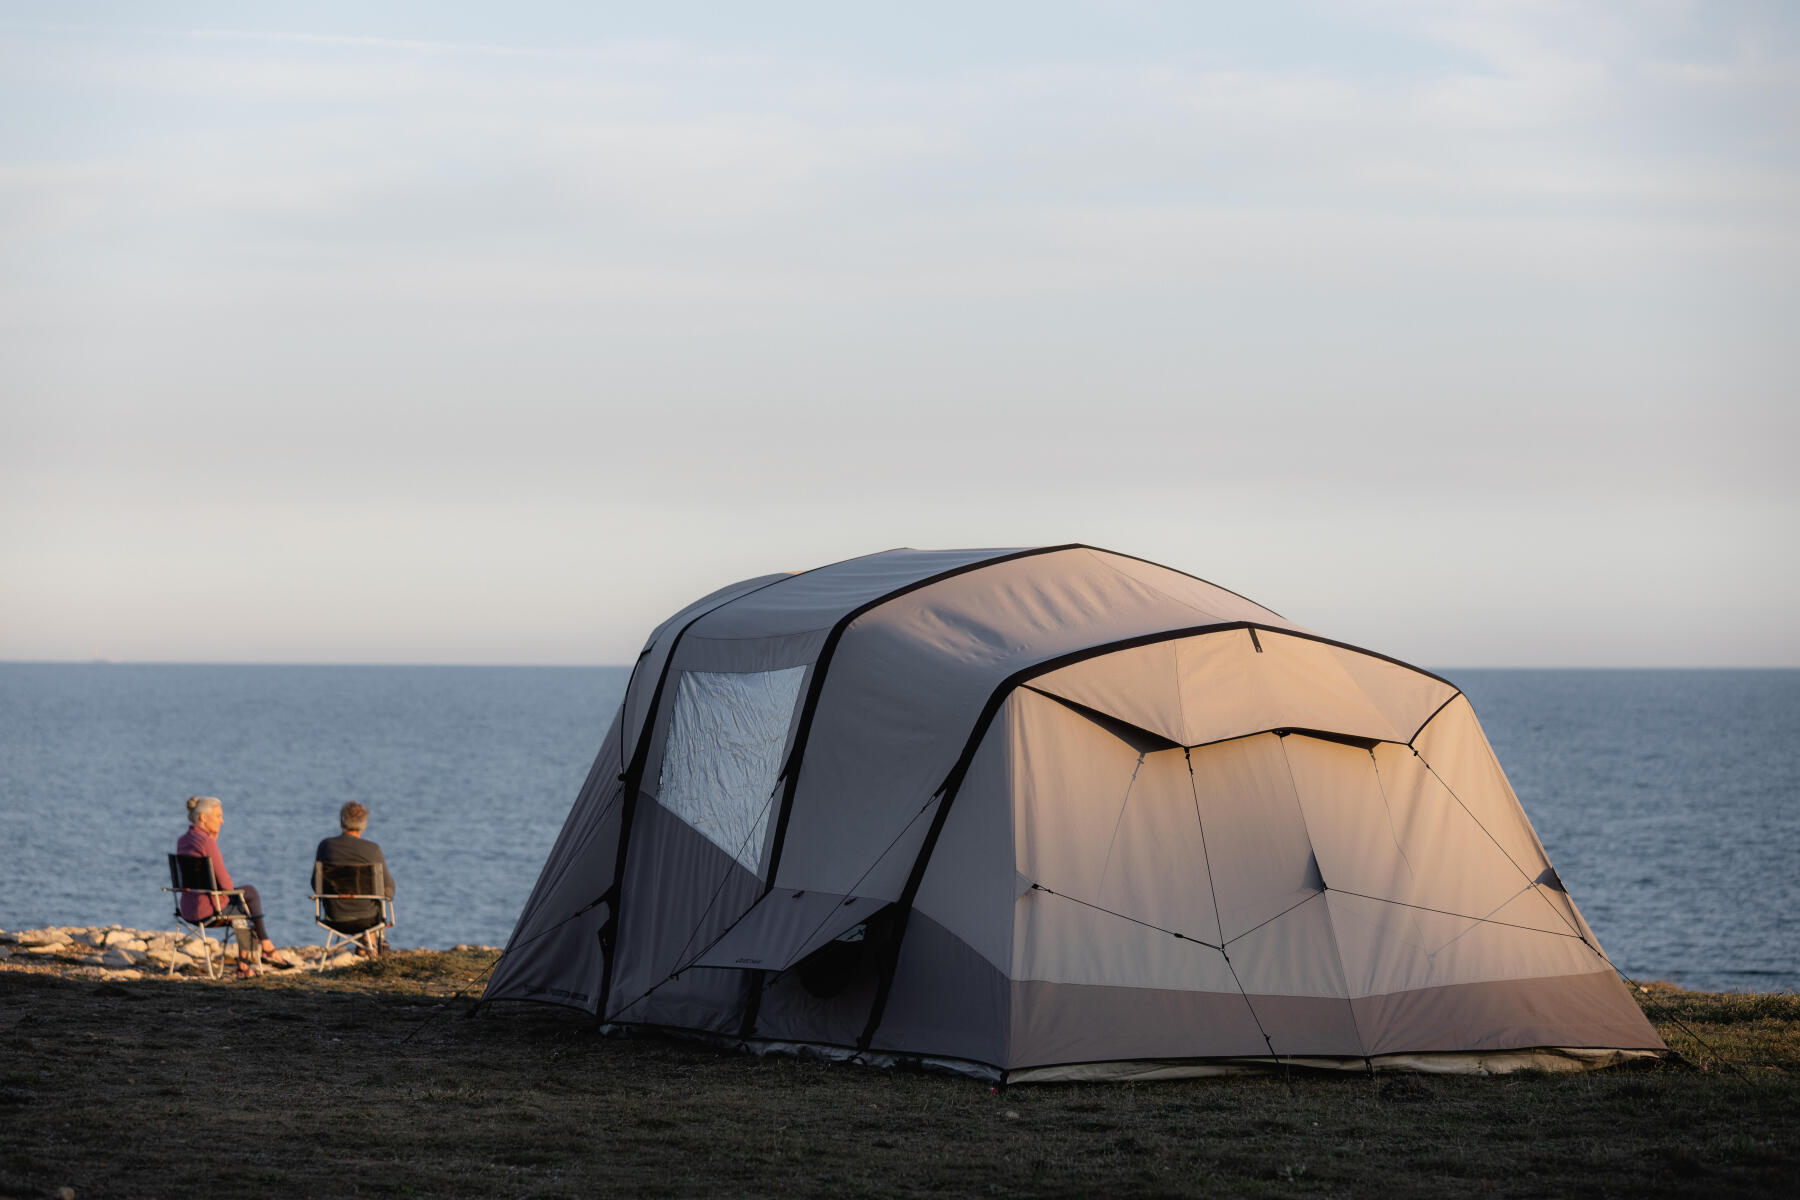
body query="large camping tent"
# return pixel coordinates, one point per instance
(1056, 813)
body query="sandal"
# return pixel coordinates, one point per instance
(246, 970)
(279, 961)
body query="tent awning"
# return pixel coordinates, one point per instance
(785, 926)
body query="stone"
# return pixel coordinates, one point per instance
(44, 951)
(41, 937)
(6, 952)
(89, 938)
(115, 937)
(341, 960)
(194, 948)
(160, 941)
(118, 956)
(128, 975)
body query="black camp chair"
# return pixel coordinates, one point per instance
(192, 875)
(334, 883)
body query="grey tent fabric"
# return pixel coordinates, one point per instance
(1057, 813)
(784, 927)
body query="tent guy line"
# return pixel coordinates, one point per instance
(1212, 887)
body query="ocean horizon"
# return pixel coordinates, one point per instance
(1666, 797)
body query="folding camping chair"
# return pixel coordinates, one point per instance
(192, 875)
(334, 883)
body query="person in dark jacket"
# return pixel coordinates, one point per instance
(351, 847)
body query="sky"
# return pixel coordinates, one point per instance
(440, 333)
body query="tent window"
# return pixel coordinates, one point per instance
(725, 744)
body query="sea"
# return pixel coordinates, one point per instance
(1669, 800)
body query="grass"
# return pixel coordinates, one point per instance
(310, 1085)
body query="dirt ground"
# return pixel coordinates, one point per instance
(370, 1081)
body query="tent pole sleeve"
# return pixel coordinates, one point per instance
(790, 768)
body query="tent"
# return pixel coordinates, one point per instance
(1056, 813)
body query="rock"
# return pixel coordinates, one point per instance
(341, 960)
(160, 941)
(163, 959)
(44, 951)
(5, 953)
(117, 937)
(88, 937)
(193, 948)
(118, 956)
(41, 937)
(128, 975)
(65, 1193)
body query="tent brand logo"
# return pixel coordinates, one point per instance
(559, 993)
(750, 962)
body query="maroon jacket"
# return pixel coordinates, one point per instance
(197, 841)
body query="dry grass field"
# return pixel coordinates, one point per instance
(367, 1082)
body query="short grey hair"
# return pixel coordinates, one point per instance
(199, 806)
(353, 816)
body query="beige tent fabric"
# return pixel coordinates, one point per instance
(1222, 685)
(1340, 897)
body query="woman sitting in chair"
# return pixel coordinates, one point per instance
(205, 816)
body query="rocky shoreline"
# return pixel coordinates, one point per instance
(115, 952)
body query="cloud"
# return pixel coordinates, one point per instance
(338, 283)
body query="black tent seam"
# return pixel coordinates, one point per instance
(1323, 735)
